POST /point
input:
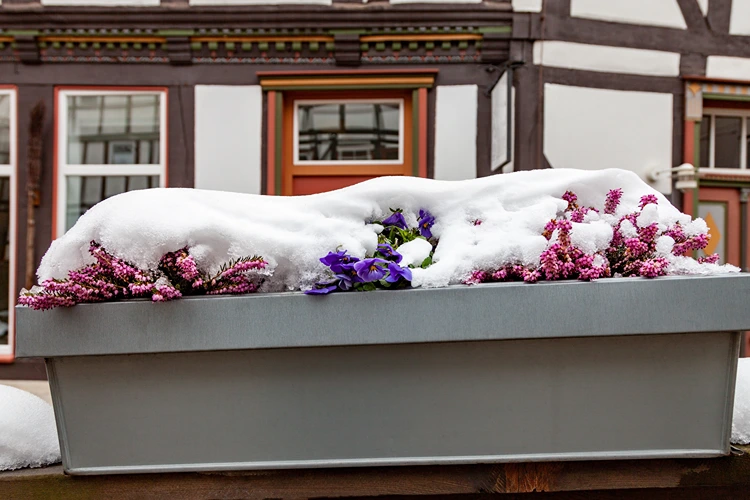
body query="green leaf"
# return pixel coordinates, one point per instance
(427, 262)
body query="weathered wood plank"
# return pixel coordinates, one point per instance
(691, 477)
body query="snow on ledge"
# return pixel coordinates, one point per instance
(28, 436)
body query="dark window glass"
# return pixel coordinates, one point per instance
(86, 191)
(4, 130)
(4, 256)
(747, 142)
(348, 132)
(727, 141)
(113, 130)
(705, 145)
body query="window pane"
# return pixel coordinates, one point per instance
(4, 257)
(728, 133)
(747, 141)
(85, 192)
(348, 131)
(705, 145)
(4, 129)
(112, 129)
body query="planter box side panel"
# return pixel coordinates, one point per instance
(494, 401)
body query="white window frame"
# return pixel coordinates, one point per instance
(401, 135)
(64, 170)
(7, 350)
(740, 113)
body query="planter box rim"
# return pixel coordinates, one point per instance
(495, 311)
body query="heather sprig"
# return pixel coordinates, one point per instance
(111, 278)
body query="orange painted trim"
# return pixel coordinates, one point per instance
(687, 202)
(714, 80)
(56, 133)
(348, 72)
(688, 151)
(422, 139)
(415, 38)
(730, 196)
(6, 39)
(309, 82)
(103, 39)
(256, 39)
(271, 144)
(348, 170)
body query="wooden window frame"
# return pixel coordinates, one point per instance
(61, 168)
(283, 88)
(7, 351)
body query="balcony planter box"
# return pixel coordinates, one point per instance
(618, 368)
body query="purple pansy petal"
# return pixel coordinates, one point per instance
(389, 253)
(321, 291)
(396, 272)
(370, 269)
(396, 219)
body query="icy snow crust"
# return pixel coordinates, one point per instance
(28, 436)
(293, 233)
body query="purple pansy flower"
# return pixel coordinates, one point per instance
(426, 220)
(339, 261)
(389, 253)
(346, 281)
(324, 288)
(396, 272)
(370, 269)
(396, 219)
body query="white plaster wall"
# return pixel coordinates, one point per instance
(500, 124)
(527, 5)
(703, 4)
(456, 132)
(592, 129)
(739, 23)
(732, 68)
(228, 137)
(607, 59)
(650, 12)
(259, 2)
(104, 3)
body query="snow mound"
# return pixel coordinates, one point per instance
(741, 417)
(28, 436)
(293, 233)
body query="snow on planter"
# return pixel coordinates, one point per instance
(390, 232)
(741, 419)
(28, 436)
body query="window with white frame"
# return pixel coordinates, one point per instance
(110, 142)
(7, 218)
(350, 131)
(725, 140)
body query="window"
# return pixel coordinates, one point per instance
(352, 132)
(725, 140)
(7, 218)
(110, 142)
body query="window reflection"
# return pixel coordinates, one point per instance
(113, 130)
(727, 141)
(4, 257)
(348, 131)
(4, 129)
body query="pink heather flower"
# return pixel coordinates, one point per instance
(648, 200)
(653, 268)
(578, 214)
(476, 278)
(698, 242)
(635, 246)
(477, 222)
(676, 233)
(571, 198)
(612, 201)
(709, 259)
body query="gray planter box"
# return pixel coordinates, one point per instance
(618, 368)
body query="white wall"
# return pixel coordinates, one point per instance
(703, 4)
(731, 68)
(592, 129)
(607, 59)
(739, 23)
(650, 12)
(456, 132)
(527, 5)
(228, 137)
